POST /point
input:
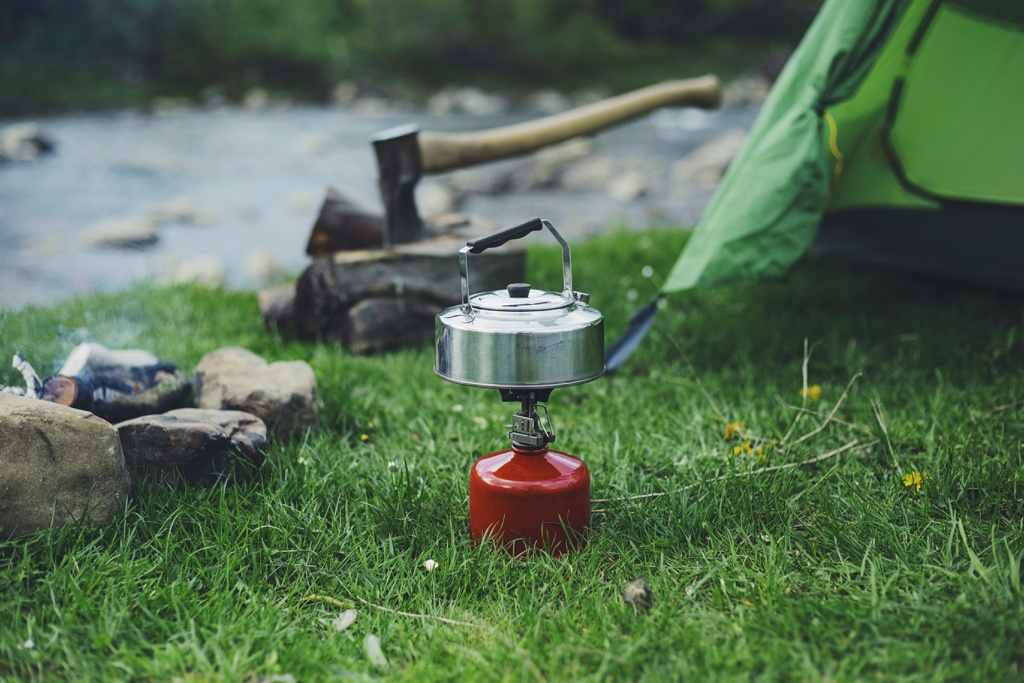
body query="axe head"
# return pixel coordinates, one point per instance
(400, 167)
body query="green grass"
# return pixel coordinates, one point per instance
(836, 571)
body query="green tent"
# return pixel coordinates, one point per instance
(894, 136)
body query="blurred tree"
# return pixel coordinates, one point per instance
(679, 21)
(305, 46)
(525, 39)
(15, 15)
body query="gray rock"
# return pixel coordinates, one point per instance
(591, 174)
(629, 185)
(638, 595)
(204, 270)
(282, 394)
(261, 266)
(170, 106)
(180, 210)
(704, 167)
(256, 99)
(193, 446)
(748, 91)
(540, 171)
(24, 142)
(441, 103)
(550, 162)
(547, 102)
(345, 93)
(489, 179)
(57, 465)
(373, 106)
(134, 232)
(469, 100)
(590, 95)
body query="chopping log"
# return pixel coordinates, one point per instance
(372, 300)
(344, 224)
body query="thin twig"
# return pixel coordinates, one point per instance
(342, 603)
(328, 599)
(853, 445)
(877, 408)
(803, 392)
(413, 615)
(832, 414)
(817, 413)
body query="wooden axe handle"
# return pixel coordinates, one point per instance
(449, 151)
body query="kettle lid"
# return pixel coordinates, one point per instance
(519, 297)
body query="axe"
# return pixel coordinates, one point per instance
(405, 153)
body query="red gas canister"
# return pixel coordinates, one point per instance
(530, 498)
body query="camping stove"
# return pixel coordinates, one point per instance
(525, 343)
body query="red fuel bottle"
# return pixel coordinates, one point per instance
(530, 498)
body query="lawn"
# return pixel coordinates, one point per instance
(834, 569)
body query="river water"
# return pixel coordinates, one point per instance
(242, 188)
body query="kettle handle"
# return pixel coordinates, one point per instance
(482, 244)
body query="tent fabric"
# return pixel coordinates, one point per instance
(895, 130)
(937, 101)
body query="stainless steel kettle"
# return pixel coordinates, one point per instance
(519, 338)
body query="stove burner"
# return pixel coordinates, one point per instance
(530, 429)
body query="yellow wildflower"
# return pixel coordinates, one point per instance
(913, 479)
(813, 392)
(745, 448)
(364, 437)
(732, 429)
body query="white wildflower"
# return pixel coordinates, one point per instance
(344, 620)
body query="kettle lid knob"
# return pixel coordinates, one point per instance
(518, 290)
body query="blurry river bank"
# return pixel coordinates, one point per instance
(230, 194)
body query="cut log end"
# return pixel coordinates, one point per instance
(375, 300)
